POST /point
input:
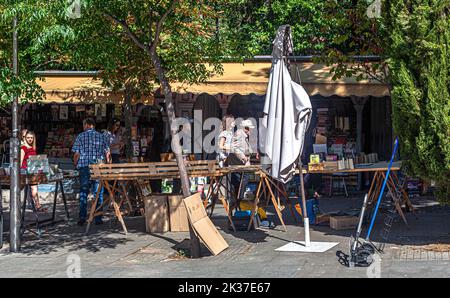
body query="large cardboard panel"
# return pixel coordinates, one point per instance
(177, 214)
(210, 236)
(203, 226)
(156, 214)
(195, 208)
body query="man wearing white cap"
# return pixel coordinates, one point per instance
(241, 142)
(241, 151)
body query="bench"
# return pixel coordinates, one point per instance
(153, 170)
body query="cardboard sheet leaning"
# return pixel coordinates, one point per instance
(203, 226)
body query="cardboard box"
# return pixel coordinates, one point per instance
(343, 222)
(177, 214)
(321, 139)
(156, 214)
(315, 167)
(330, 165)
(322, 218)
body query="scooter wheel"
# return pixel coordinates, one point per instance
(364, 258)
(368, 247)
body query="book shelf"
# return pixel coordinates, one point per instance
(336, 127)
(56, 126)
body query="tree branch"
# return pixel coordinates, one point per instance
(150, 22)
(127, 31)
(48, 62)
(160, 25)
(7, 111)
(374, 76)
(365, 69)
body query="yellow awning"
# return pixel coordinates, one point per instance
(253, 77)
(82, 89)
(237, 78)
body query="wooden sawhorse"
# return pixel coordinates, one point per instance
(392, 185)
(116, 188)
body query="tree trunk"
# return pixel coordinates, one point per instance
(128, 115)
(176, 147)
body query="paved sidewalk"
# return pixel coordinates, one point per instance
(107, 252)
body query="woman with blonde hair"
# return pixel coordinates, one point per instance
(27, 149)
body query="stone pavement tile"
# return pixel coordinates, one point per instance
(255, 268)
(410, 254)
(24, 273)
(416, 254)
(206, 268)
(103, 272)
(58, 274)
(6, 258)
(438, 256)
(27, 262)
(93, 260)
(30, 267)
(63, 273)
(426, 269)
(144, 271)
(86, 270)
(320, 265)
(431, 255)
(403, 254)
(423, 255)
(142, 258)
(171, 271)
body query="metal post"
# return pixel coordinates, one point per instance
(15, 177)
(358, 104)
(305, 212)
(360, 223)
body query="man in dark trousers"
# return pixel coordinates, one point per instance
(90, 147)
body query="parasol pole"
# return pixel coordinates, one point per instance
(305, 212)
(302, 185)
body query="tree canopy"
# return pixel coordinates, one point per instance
(250, 25)
(419, 62)
(185, 41)
(104, 38)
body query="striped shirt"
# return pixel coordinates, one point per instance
(92, 147)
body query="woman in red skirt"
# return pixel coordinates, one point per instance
(27, 149)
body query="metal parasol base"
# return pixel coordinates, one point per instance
(299, 246)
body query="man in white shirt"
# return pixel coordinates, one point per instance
(241, 151)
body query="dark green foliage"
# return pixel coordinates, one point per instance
(417, 43)
(250, 25)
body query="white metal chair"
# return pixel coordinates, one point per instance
(341, 176)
